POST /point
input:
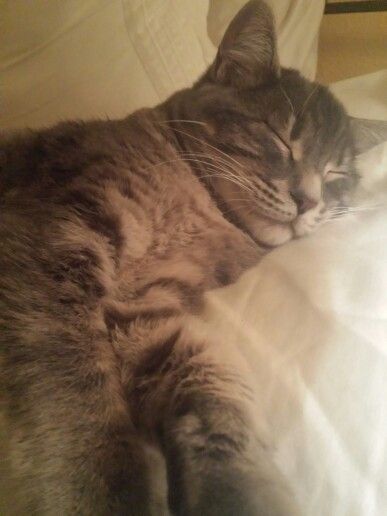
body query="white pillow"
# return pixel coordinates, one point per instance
(94, 58)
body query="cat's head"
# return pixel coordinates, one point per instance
(277, 150)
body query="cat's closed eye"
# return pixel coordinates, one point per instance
(284, 146)
(337, 172)
(332, 175)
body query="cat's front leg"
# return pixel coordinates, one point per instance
(217, 466)
(206, 418)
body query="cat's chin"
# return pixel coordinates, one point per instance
(270, 233)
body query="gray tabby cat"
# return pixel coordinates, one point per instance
(110, 232)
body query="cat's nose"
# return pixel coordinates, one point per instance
(303, 202)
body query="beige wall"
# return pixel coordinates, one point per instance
(351, 45)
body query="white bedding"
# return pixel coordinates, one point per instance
(311, 320)
(312, 317)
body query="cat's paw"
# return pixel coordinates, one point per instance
(223, 474)
(227, 491)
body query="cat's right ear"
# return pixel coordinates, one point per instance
(368, 133)
(247, 56)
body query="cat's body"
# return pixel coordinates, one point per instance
(114, 255)
(110, 234)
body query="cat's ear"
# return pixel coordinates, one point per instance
(247, 56)
(368, 133)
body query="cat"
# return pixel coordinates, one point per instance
(110, 233)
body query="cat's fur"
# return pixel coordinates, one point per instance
(110, 233)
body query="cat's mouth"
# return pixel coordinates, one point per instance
(269, 229)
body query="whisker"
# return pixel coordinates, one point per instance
(346, 212)
(354, 209)
(203, 154)
(229, 158)
(207, 144)
(239, 177)
(227, 178)
(239, 174)
(288, 99)
(188, 121)
(188, 160)
(175, 161)
(225, 174)
(222, 173)
(309, 97)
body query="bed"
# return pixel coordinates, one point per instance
(311, 319)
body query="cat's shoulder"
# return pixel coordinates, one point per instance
(63, 151)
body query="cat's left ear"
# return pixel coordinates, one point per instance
(247, 56)
(368, 133)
